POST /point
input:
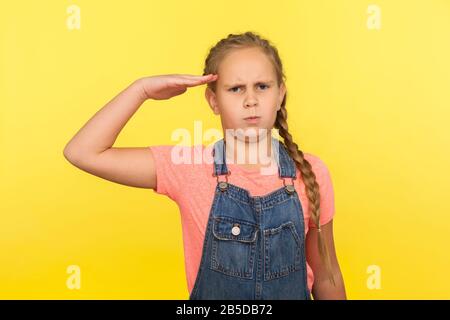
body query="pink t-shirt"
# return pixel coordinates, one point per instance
(191, 185)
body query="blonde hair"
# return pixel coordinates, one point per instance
(249, 40)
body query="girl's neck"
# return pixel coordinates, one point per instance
(249, 154)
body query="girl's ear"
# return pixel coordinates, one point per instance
(212, 100)
(281, 96)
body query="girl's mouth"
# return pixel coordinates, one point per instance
(254, 119)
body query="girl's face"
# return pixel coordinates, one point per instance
(246, 87)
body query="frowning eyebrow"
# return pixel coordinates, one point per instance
(242, 85)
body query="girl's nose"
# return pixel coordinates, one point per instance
(251, 102)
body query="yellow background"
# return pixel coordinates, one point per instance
(372, 104)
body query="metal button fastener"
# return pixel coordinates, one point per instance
(223, 185)
(290, 189)
(236, 230)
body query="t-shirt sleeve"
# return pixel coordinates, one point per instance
(174, 169)
(323, 178)
(167, 175)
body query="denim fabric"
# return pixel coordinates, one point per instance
(254, 246)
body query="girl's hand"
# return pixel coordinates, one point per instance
(166, 86)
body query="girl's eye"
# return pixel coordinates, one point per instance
(261, 85)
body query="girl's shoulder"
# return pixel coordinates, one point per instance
(180, 168)
(318, 165)
(314, 159)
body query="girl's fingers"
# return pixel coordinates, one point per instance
(194, 82)
(192, 77)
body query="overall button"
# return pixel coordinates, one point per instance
(223, 185)
(236, 230)
(290, 189)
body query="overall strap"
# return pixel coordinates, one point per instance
(218, 153)
(286, 166)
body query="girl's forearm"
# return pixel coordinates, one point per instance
(325, 290)
(101, 131)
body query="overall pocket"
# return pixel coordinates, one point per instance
(233, 247)
(283, 251)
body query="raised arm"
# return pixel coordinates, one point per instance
(91, 149)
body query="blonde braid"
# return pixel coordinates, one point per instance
(309, 179)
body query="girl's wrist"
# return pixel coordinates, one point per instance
(140, 89)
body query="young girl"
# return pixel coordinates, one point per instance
(247, 234)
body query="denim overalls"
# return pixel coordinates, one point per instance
(254, 246)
